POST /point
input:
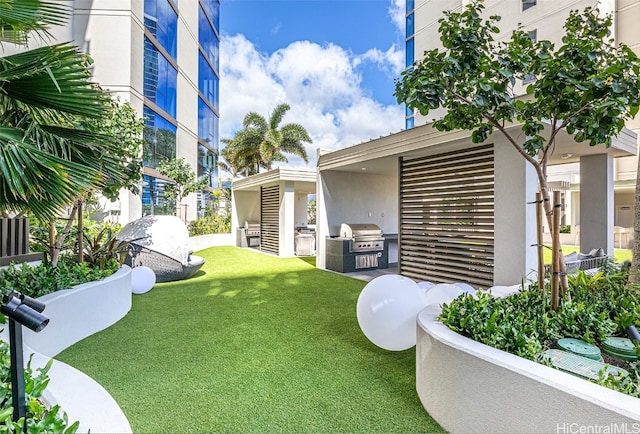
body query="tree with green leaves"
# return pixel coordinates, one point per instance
(262, 142)
(61, 136)
(183, 180)
(47, 158)
(587, 85)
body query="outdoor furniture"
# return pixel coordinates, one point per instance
(575, 261)
(162, 244)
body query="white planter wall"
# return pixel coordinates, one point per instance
(74, 315)
(469, 387)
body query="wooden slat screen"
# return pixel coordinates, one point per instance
(446, 207)
(14, 236)
(270, 219)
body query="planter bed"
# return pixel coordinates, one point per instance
(469, 387)
(74, 315)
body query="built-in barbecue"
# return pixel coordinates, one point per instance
(360, 246)
(252, 232)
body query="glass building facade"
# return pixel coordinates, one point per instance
(409, 119)
(160, 91)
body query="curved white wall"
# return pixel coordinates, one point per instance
(470, 387)
(74, 315)
(81, 311)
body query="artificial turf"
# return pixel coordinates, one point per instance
(252, 343)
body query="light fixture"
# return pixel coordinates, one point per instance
(363, 168)
(565, 156)
(21, 310)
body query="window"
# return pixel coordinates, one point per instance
(207, 165)
(411, 5)
(208, 82)
(160, 79)
(410, 25)
(208, 40)
(162, 21)
(409, 52)
(207, 124)
(159, 138)
(526, 4)
(530, 78)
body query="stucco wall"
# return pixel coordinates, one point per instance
(468, 387)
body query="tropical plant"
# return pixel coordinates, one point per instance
(184, 181)
(587, 86)
(45, 92)
(262, 142)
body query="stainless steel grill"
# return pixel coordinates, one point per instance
(363, 237)
(358, 247)
(252, 232)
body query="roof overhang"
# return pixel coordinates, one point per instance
(380, 156)
(304, 179)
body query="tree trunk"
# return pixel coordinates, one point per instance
(634, 274)
(58, 244)
(80, 234)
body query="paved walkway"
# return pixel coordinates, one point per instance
(369, 275)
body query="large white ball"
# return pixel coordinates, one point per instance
(142, 279)
(444, 293)
(387, 309)
(426, 285)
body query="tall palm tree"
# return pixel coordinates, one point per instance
(260, 143)
(47, 159)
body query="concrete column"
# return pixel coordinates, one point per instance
(596, 203)
(322, 221)
(516, 184)
(287, 218)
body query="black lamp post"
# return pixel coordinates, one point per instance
(21, 310)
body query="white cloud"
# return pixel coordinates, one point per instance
(321, 83)
(398, 13)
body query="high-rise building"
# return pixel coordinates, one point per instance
(162, 56)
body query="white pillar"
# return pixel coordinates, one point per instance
(287, 219)
(322, 222)
(516, 184)
(596, 203)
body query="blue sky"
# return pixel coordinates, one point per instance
(333, 61)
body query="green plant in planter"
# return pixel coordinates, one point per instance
(103, 248)
(40, 419)
(594, 308)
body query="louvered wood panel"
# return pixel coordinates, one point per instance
(446, 221)
(270, 219)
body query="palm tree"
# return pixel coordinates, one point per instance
(260, 143)
(47, 158)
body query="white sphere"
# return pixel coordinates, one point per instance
(443, 293)
(142, 279)
(425, 286)
(466, 287)
(387, 309)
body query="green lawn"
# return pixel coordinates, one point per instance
(252, 343)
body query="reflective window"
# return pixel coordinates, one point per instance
(153, 201)
(160, 79)
(162, 21)
(409, 52)
(213, 10)
(208, 40)
(207, 124)
(159, 138)
(409, 123)
(207, 163)
(410, 5)
(410, 25)
(208, 82)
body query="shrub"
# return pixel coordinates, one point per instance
(43, 279)
(595, 307)
(40, 419)
(212, 224)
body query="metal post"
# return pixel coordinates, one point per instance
(17, 373)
